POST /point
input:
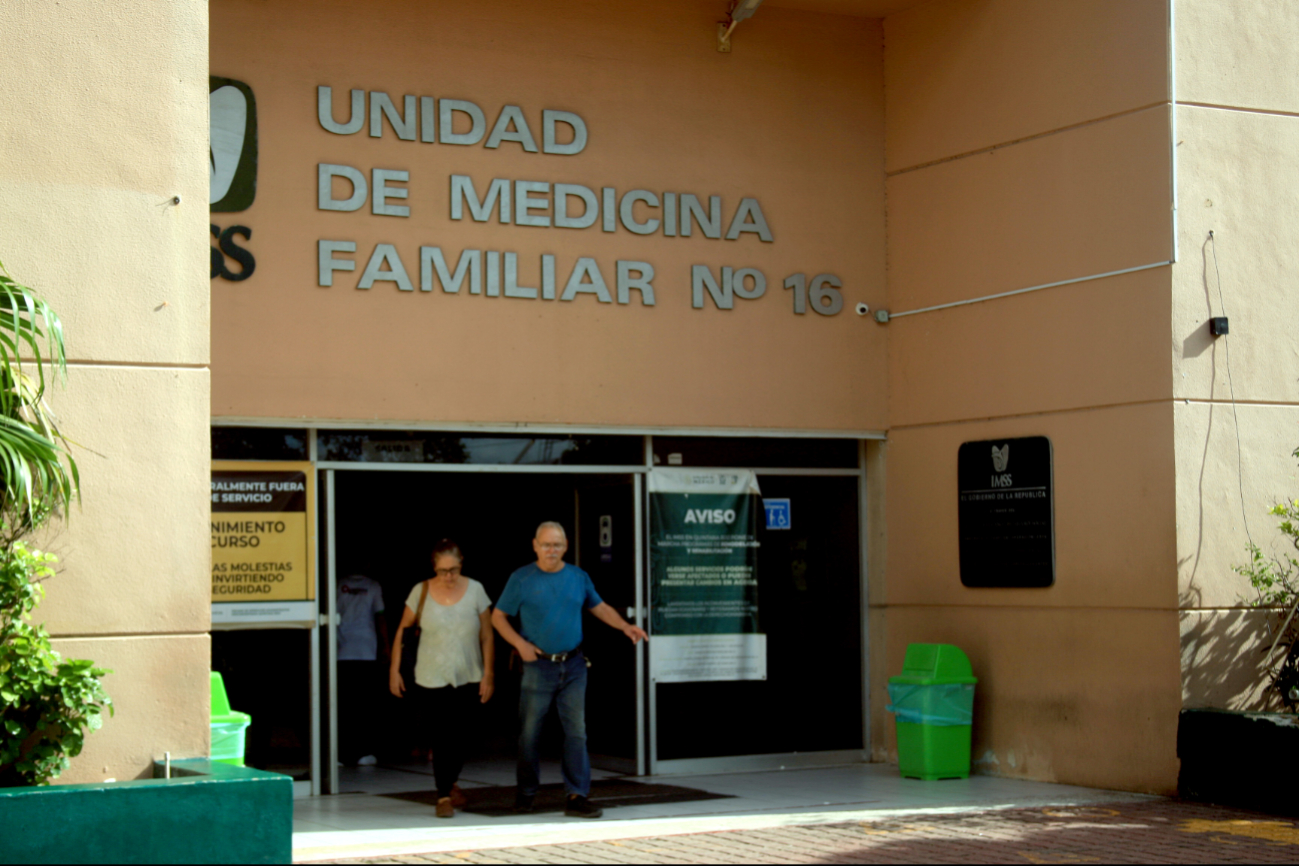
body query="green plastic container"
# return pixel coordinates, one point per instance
(228, 727)
(933, 704)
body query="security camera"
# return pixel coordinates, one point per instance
(863, 310)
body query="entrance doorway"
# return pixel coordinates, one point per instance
(384, 525)
(386, 497)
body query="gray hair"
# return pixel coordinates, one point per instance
(551, 524)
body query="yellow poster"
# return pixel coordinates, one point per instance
(263, 532)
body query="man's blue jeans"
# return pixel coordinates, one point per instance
(564, 685)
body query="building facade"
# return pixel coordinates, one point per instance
(547, 222)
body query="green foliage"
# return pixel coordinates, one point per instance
(1275, 581)
(37, 473)
(47, 704)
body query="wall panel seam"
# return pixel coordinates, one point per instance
(1025, 139)
(1224, 401)
(1275, 112)
(128, 634)
(142, 365)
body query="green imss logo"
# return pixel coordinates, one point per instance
(232, 132)
(232, 171)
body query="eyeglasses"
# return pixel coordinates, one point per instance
(446, 572)
(553, 546)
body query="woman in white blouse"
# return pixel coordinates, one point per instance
(453, 664)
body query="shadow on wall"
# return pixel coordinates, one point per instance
(1222, 657)
(1221, 648)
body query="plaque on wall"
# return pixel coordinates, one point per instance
(1006, 513)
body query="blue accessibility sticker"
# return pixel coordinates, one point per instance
(777, 513)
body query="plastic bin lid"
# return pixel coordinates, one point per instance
(934, 664)
(220, 702)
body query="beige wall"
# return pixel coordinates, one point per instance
(106, 121)
(1018, 143)
(1028, 143)
(792, 116)
(1239, 145)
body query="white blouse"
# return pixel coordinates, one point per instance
(449, 651)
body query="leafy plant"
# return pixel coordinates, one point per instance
(47, 704)
(1275, 581)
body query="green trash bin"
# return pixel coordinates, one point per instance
(932, 702)
(228, 727)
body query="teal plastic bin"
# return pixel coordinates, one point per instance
(229, 728)
(932, 702)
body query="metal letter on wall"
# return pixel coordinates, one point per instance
(263, 545)
(1006, 513)
(703, 577)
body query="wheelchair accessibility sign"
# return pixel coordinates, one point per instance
(777, 513)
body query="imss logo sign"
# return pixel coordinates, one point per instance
(232, 132)
(232, 170)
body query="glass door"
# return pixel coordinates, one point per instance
(809, 602)
(605, 546)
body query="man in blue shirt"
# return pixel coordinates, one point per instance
(548, 597)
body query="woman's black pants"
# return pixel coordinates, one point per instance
(451, 716)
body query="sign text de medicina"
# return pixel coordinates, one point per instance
(530, 204)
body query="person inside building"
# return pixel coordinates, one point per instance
(362, 636)
(548, 597)
(454, 665)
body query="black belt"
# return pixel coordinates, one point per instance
(559, 657)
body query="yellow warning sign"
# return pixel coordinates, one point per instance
(263, 538)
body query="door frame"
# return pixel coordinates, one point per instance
(324, 779)
(330, 589)
(778, 760)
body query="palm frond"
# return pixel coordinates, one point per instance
(37, 471)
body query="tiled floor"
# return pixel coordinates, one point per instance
(364, 824)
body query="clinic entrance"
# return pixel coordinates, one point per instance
(386, 497)
(386, 523)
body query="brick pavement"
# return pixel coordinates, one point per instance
(1157, 831)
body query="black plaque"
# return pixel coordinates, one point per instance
(1006, 513)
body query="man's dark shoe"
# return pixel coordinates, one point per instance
(578, 806)
(523, 802)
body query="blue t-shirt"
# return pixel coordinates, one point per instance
(550, 605)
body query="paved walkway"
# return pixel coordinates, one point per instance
(378, 821)
(1124, 831)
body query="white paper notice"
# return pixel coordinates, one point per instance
(265, 614)
(695, 658)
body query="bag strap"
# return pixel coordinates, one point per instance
(423, 595)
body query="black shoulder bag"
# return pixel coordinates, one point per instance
(410, 641)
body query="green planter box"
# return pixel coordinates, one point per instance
(208, 812)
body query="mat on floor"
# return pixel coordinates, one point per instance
(497, 801)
